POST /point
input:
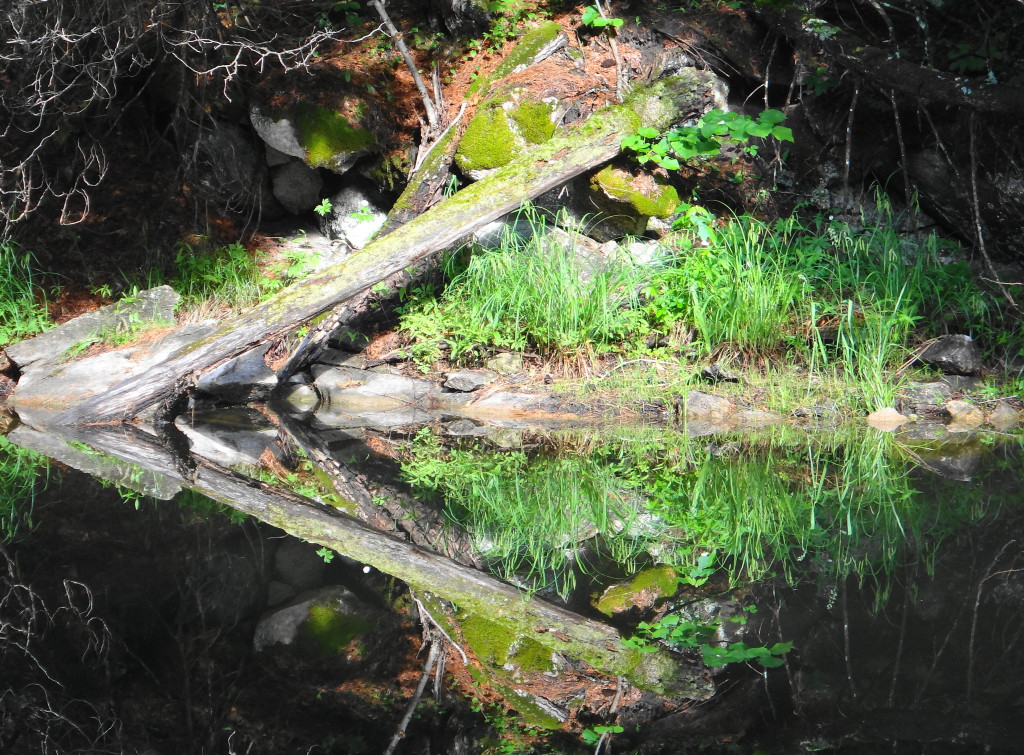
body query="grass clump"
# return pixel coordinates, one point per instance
(831, 296)
(22, 312)
(232, 276)
(527, 294)
(22, 474)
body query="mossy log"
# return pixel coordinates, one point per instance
(599, 645)
(539, 169)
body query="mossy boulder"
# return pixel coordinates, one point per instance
(674, 99)
(325, 622)
(499, 131)
(642, 591)
(627, 199)
(323, 137)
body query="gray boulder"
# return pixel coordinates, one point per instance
(278, 133)
(924, 398)
(954, 355)
(469, 380)
(354, 217)
(704, 406)
(322, 622)
(296, 186)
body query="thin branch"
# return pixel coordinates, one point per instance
(427, 668)
(979, 233)
(428, 104)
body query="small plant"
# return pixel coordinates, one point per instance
(22, 310)
(705, 139)
(364, 214)
(678, 632)
(593, 18)
(326, 554)
(324, 207)
(593, 735)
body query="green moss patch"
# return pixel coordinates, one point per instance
(529, 46)
(648, 196)
(326, 133)
(489, 141)
(533, 120)
(643, 591)
(329, 631)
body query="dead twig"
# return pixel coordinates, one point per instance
(428, 667)
(433, 119)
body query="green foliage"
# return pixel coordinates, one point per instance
(593, 18)
(324, 207)
(233, 276)
(705, 139)
(592, 736)
(22, 474)
(841, 298)
(326, 554)
(22, 309)
(527, 294)
(349, 8)
(677, 631)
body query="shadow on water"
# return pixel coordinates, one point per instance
(787, 590)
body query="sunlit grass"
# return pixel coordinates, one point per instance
(22, 310)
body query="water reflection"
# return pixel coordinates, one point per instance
(899, 588)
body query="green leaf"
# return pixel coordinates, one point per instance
(782, 133)
(648, 133)
(761, 130)
(669, 163)
(772, 116)
(589, 14)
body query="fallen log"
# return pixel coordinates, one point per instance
(541, 169)
(536, 170)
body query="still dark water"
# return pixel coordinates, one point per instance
(893, 566)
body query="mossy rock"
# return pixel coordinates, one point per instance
(489, 142)
(331, 139)
(332, 626)
(501, 128)
(647, 195)
(670, 100)
(643, 591)
(533, 120)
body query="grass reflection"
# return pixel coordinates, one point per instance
(786, 503)
(22, 474)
